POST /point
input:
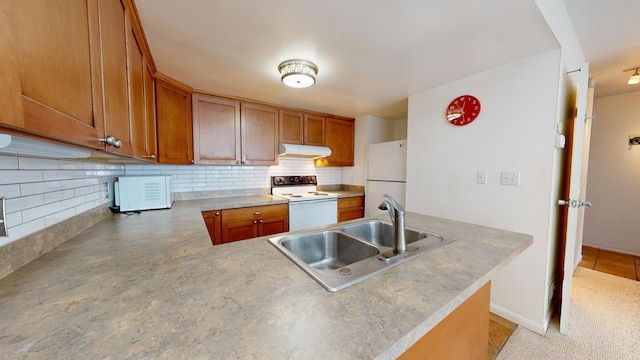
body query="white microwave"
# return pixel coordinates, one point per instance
(134, 193)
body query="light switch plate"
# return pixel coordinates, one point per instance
(481, 177)
(510, 178)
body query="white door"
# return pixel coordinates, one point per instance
(576, 200)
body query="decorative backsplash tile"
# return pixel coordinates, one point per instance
(189, 178)
(43, 192)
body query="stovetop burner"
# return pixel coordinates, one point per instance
(298, 188)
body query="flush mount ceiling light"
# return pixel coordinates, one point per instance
(298, 73)
(635, 78)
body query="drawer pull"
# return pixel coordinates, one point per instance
(257, 213)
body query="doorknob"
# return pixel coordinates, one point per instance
(574, 203)
(585, 204)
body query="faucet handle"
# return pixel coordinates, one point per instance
(395, 204)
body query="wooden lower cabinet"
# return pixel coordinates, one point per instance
(213, 220)
(350, 208)
(231, 225)
(463, 334)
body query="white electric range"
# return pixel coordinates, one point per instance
(307, 206)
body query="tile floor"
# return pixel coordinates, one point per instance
(499, 331)
(610, 262)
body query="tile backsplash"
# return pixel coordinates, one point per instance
(188, 178)
(43, 192)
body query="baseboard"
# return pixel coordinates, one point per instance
(515, 318)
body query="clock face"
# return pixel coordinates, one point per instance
(463, 110)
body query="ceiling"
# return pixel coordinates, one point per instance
(609, 34)
(371, 54)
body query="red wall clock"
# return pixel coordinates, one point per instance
(463, 110)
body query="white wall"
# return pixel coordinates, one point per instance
(614, 175)
(369, 130)
(514, 132)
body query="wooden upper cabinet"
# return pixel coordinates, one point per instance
(150, 113)
(216, 130)
(141, 97)
(60, 80)
(314, 130)
(228, 132)
(297, 127)
(174, 126)
(291, 126)
(114, 37)
(340, 139)
(259, 128)
(10, 92)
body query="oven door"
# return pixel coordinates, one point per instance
(306, 214)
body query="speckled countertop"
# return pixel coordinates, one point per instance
(152, 286)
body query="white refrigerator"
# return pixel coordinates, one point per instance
(386, 174)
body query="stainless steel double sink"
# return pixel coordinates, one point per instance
(344, 255)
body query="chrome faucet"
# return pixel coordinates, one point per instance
(396, 212)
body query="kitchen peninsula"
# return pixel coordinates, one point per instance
(152, 286)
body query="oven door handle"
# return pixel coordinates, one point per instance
(312, 201)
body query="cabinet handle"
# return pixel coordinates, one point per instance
(152, 156)
(257, 213)
(255, 221)
(217, 213)
(110, 140)
(192, 162)
(243, 162)
(261, 221)
(238, 162)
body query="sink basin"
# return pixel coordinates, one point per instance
(328, 249)
(381, 233)
(339, 256)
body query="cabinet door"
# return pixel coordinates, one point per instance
(58, 47)
(10, 98)
(291, 125)
(239, 224)
(216, 130)
(213, 221)
(259, 127)
(340, 139)
(350, 208)
(114, 33)
(273, 225)
(137, 102)
(175, 135)
(314, 130)
(149, 113)
(274, 219)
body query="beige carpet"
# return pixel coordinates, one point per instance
(604, 323)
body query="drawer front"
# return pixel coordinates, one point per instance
(350, 202)
(256, 211)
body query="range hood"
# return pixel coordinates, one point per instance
(303, 151)
(17, 145)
